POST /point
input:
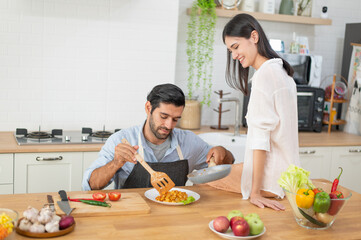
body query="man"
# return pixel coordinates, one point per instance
(164, 147)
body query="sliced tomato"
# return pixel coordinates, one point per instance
(114, 196)
(99, 196)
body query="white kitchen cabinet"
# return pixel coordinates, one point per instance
(316, 160)
(6, 173)
(349, 158)
(47, 172)
(88, 159)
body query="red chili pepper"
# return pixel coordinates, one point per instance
(78, 199)
(335, 182)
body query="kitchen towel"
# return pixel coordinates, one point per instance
(353, 114)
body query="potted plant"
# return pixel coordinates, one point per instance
(201, 28)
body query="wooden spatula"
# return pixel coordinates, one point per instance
(159, 180)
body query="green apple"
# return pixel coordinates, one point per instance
(256, 225)
(252, 215)
(234, 213)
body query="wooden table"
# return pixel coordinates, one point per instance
(191, 221)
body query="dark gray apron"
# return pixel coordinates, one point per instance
(140, 178)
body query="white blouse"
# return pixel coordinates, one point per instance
(272, 126)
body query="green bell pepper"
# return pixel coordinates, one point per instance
(322, 202)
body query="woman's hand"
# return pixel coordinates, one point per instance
(262, 202)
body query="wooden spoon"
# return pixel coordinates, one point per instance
(159, 180)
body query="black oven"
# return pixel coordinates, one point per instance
(310, 102)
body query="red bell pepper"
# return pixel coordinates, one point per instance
(335, 204)
(317, 190)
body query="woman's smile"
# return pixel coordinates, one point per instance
(241, 59)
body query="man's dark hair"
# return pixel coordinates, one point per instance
(166, 93)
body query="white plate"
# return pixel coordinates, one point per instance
(229, 234)
(153, 193)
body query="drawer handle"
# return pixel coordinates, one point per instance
(354, 150)
(49, 159)
(308, 152)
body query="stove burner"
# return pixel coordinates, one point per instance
(39, 135)
(101, 134)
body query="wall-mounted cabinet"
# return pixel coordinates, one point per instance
(273, 17)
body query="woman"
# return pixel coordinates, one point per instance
(272, 137)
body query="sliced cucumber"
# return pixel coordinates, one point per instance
(311, 219)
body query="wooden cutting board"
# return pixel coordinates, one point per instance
(129, 203)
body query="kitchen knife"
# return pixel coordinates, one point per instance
(51, 202)
(64, 203)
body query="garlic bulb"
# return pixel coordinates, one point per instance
(37, 228)
(25, 224)
(56, 218)
(31, 214)
(52, 226)
(46, 215)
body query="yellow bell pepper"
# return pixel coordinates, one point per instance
(305, 198)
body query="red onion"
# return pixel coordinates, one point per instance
(65, 222)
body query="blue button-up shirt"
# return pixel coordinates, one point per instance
(193, 148)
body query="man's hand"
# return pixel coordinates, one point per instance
(124, 153)
(221, 155)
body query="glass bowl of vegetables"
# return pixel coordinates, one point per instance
(8, 219)
(317, 207)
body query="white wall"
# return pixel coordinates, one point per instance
(76, 63)
(325, 40)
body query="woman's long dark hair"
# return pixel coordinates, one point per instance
(242, 25)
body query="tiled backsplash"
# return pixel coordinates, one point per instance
(74, 63)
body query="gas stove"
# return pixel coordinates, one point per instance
(58, 136)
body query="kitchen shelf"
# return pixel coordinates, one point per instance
(332, 101)
(337, 122)
(272, 17)
(337, 100)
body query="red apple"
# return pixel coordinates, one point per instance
(234, 219)
(240, 228)
(221, 224)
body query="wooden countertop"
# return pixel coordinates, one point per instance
(306, 139)
(191, 221)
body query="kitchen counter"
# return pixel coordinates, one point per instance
(306, 139)
(191, 221)
(8, 144)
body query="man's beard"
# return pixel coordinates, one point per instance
(155, 129)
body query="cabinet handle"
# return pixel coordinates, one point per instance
(354, 150)
(308, 152)
(49, 159)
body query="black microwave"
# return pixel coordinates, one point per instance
(310, 103)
